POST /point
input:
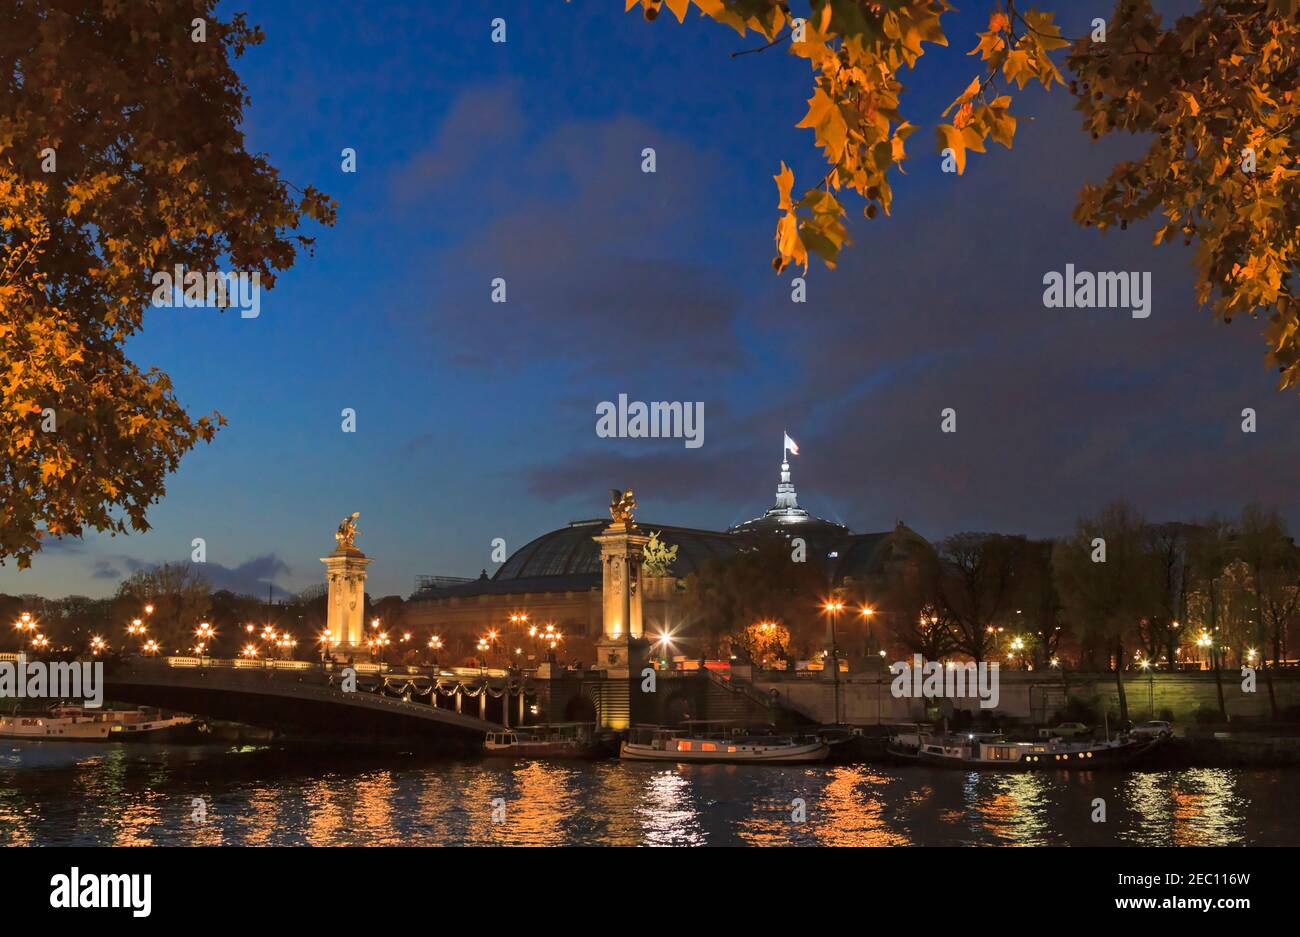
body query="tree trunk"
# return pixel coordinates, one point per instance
(1268, 679)
(1218, 682)
(1119, 682)
(1215, 653)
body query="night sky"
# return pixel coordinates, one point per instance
(522, 160)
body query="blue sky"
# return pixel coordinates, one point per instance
(522, 160)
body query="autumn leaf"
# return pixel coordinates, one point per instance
(952, 138)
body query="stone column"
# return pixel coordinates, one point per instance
(345, 572)
(621, 555)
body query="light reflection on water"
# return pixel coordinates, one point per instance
(146, 795)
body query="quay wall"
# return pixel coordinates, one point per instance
(866, 698)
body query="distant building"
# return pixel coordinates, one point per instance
(556, 579)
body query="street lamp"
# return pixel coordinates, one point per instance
(205, 633)
(868, 613)
(97, 644)
(833, 608)
(664, 642)
(250, 650)
(1145, 664)
(150, 646)
(377, 643)
(1018, 645)
(1205, 641)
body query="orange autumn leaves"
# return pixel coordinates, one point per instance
(159, 177)
(1215, 94)
(856, 51)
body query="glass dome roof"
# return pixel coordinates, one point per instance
(571, 551)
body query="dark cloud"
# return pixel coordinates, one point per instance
(1058, 410)
(248, 578)
(591, 249)
(104, 569)
(477, 138)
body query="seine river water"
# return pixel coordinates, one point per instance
(52, 794)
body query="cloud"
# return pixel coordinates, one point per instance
(248, 578)
(596, 255)
(1058, 410)
(105, 569)
(477, 137)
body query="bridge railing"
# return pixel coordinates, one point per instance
(361, 667)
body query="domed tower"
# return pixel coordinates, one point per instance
(786, 517)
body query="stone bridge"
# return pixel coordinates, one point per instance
(423, 707)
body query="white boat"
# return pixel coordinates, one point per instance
(989, 750)
(692, 745)
(79, 724)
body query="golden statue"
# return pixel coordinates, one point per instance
(346, 535)
(621, 506)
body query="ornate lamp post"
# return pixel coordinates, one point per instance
(377, 642)
(25, 624)
(205, 635)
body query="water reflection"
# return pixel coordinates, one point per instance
(140, 796)
(1012, 808)
(668, 815)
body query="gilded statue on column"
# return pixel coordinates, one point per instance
(622, 504)
(346, 535)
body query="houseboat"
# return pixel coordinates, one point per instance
(559, 740)
(991, 751)
(78, 724)
(698, 745)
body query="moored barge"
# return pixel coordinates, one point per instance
(988, 751)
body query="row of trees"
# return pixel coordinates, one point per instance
(1117, 593)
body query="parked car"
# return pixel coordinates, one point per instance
(1065, 730)
(1155, 729)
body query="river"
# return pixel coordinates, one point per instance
(61, 794)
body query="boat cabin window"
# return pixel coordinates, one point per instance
(1000, 752)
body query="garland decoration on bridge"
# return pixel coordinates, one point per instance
(407, 687)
